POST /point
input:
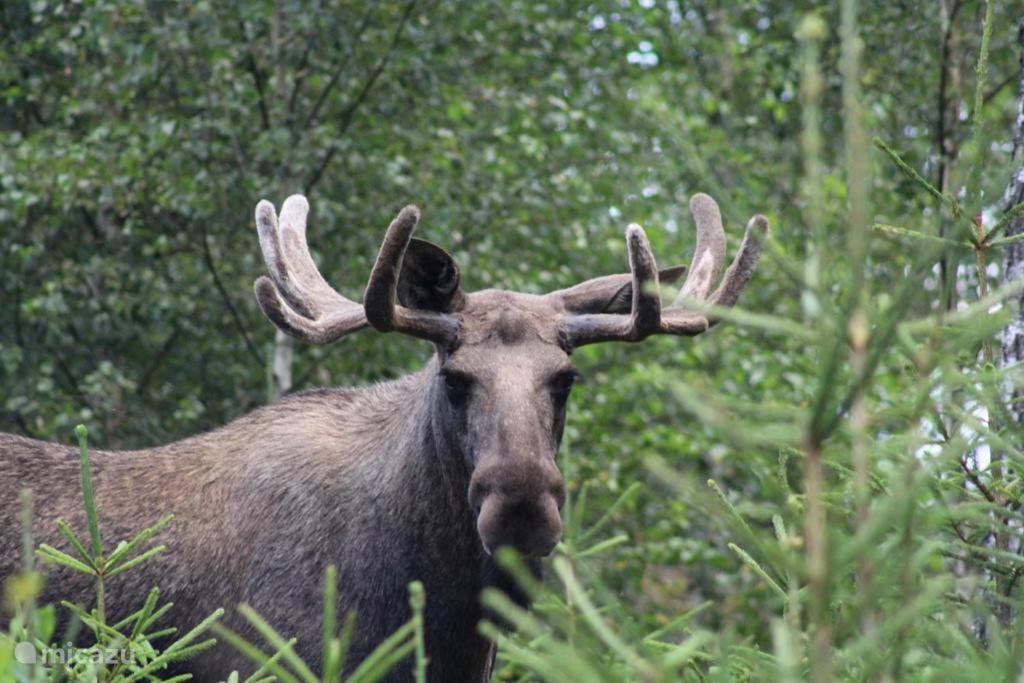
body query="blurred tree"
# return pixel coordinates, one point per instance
(1013, 260)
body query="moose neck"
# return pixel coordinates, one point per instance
(457, 567)
(433, 473)
(429, 484)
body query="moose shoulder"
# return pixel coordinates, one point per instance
(419, 478)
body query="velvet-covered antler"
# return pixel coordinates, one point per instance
(646, 317)
(296, 297)
(299, 301)
(380, 299)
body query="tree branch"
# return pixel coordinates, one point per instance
(300, 79)
(976, 481)
(941, 134)
(348, 115)
(340, 70)
(257, 77)
(157, 360)
(212, 267)
(999, 86)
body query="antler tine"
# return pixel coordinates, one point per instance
(645, 315)
(296, 297)
(742, 268)
(680, 321)
(644, 318)
(382, 310)
(331, 327)
(709, 256)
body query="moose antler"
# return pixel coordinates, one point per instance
(382, 310)
(296, 297)
(299, 301)
(646, 316)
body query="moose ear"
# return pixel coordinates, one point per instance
(609, 294)
(429, 280)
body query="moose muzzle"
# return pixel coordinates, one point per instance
(519, 506)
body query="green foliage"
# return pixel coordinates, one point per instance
(854, 405)
(898, 556)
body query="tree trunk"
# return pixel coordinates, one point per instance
(281, 367)
(1010, 540)
(1013, 255)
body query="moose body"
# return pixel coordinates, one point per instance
(421, 478)
(352, 478)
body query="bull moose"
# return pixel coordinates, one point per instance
(420, 478)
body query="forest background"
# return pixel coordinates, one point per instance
(835, 468)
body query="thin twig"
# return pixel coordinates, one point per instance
(976, 481)
(349, 114)
(314, 111)
(257, 77)
(212, 267)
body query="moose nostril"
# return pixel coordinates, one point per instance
(558, 493)
(477, 493)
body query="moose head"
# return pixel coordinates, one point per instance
(504, 373)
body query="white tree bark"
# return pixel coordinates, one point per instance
(281, 369)
(1013, 256)
(1009, 537)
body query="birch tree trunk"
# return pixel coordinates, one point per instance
(1013, 336)
(281, 366)
(281, 362)
(1013, 255)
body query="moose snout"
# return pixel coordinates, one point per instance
(525, 515)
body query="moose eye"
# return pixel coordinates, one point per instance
(457, 388)
(561, 384)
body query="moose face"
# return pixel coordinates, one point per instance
(504, 390)
(504, 376)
